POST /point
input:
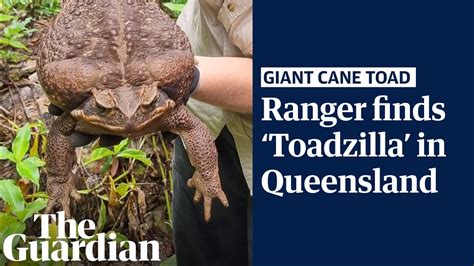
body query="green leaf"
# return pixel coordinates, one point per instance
(123, 189)
(3, 259)
(174, 7)
(35, 161)
(13, 43)
(4, 41)
(4, 17)
(118, 237)
(28, 170)
(17, 44)
(135, 154)
(102, 217)
(12, 56)
(53, 232)
(41, 126)
(106, 166)
(171, 261)
(5, 154)
(98, 154)
(39, 194)
(119, 147)
(31, 209)
(22, 142)
(17, 29)
(11, 194)
(103, 197)
(9, 225)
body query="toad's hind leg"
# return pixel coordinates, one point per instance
(203, 156)
(60, 158)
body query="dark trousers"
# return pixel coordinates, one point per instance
(225, 239)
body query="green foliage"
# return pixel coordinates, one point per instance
(123, 188)
(8, 5)
(11, 37)
(31, 208)
(13, 220)
(17, 29)
(119, 238)
(10, 225)
(120, 150)
(35, 8)
(21, 143)
(12, 56)
(18, 209)
(5, 154)
(165, 175)
(135, 154)
(98, 154)
(174, 7)
(5, 18)
(107, 158)
(11, 194)
(45, 8)
(171, 261)
(102, 217)
(15, 20)
(101, 222)
(27, 168)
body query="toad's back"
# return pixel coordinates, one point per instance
(106, 44)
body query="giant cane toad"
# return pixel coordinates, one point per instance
(123, 68)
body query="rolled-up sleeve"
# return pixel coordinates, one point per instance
(236, 16)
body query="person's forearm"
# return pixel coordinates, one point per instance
(226, 82)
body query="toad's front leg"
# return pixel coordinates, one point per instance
(60, 158)
(203, 156)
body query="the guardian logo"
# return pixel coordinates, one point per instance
(70, 247)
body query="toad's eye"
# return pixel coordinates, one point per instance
(154, 101)
(101, 109)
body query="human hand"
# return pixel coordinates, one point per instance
(79, 139)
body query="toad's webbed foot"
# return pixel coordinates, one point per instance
(203, 156)
(60, 194)
(208, 189)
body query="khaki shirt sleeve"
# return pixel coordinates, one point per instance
(236, 16)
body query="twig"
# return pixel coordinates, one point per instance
(26, 83)
(5, 110)
(34, 99)
(5, 75)
(121, 213)
(147, 184)
(4, 89)
(12, 123)
(13, 102)
(19, 96)
(9, 128)
(41, 23)
(163, 178)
